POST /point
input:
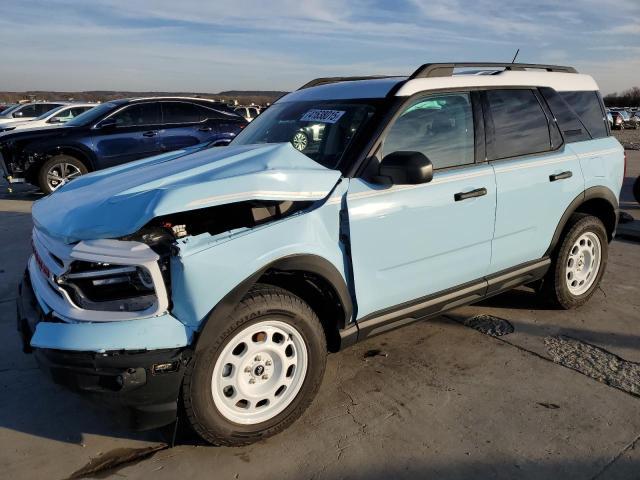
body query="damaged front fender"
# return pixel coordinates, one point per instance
(115, 203)
(207, 267)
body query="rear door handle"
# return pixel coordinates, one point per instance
(150, 133)
(478, 192)
(560, 176)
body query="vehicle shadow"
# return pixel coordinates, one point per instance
(19, 191)
(498, 469)
(35, 406)
(31, 403)
(508, 304)
(520, 299)
(626, 194)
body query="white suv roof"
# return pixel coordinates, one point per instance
(441, 76)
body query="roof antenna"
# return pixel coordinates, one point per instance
(515, 56)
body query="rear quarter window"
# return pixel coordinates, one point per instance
(588, 107)
(572, 127)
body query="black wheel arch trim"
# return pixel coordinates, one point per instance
(304, 262)
(85, 155)
(591, 193)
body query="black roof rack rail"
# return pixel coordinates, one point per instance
(429, 70)
(327, 80)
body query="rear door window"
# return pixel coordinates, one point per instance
(587, 106)
(28, 111)
(520, 126)
(180, 112)
(138, 115)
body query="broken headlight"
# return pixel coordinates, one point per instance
(109, 287)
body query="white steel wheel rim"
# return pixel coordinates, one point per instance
(299, 141)
(60, 173)
(259, 372)
(583, 263)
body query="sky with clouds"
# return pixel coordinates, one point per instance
(210, 45)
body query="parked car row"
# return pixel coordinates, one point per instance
(619, 119)
(55, 116)
(110, 134)
(24, 111)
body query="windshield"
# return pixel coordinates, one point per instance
(10, 109)
(92, 115)
(322, 130)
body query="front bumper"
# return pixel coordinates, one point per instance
(9, 176)
(141, 387)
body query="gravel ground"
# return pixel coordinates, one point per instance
(595, 362)
(630, 139)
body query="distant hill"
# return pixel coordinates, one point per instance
(250, 93)
(243, 97)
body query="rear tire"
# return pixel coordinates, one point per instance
(260, 373)
(579, 263)
(59, 170)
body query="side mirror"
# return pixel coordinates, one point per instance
(107, 123)
(55, 120)
(406, 168)
(18, 115)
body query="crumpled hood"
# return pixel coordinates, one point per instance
(119, 201)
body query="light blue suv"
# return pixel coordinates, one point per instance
(214, 281)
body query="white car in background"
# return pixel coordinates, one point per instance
(57, 116)
(249, 113)
(28, 111)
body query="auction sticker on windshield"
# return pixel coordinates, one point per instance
(323, 116)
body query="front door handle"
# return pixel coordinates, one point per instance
(205, 129)
(560, 176)
(478, 192)
(150, 133)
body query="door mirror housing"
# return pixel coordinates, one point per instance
(107, 123)
(18, 115)
(55, 120)
(406, 168)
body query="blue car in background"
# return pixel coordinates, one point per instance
(113, 133)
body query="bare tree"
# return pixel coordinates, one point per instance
(628, 98)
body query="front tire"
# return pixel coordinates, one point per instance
(59, 170)
(579, 263)
(260, 373)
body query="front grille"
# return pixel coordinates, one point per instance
(50, 265)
